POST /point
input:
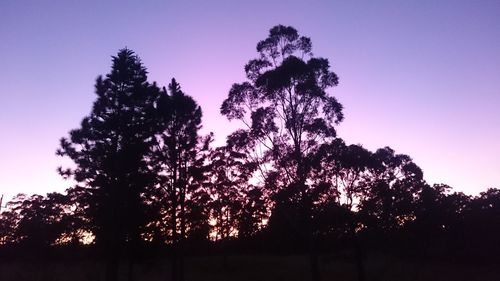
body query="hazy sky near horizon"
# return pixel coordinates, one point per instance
(422, 77)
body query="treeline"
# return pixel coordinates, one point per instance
(285, 182)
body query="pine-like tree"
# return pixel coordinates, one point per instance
(109, 152)
(178, 161)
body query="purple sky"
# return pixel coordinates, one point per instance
(422, 77)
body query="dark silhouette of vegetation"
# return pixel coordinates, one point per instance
(177, 159)
(109, 151)
(149, 187)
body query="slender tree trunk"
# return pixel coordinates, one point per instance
(313, 260)
(307, 213)
(113, 244)
(183, 234)
(111, 273)
(313, 251)
(131, 268)
(173, 195)
(359, 255)
(181, 267)
(225, 241)
(133, 253)
(174, 246)
(174, 264)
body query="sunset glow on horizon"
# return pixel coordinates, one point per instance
(421, 77)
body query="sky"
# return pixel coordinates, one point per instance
(422, 77)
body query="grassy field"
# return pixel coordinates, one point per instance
(246, 268)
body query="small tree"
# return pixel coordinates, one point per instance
(392, 192)
(230, 172)
(9, 220)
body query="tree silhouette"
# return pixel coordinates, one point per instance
(395, 184)
(39, 225)
(77, 226)
(342, 176)
(230, 172)
(480, 226)
(33, 223)
(109, 152)
(178, 162)
(9, 220)
(342, 173)
(288, 114)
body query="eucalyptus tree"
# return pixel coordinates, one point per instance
(375, 190)
(287, 113)
(342, 177)
(109, 152)
(342, 173)
(479, 226)
(40, 224)
(392, 194)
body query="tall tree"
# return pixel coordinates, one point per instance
(288, 114)
(178, 162)
(109, 152)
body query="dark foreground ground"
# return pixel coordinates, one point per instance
(276, 268)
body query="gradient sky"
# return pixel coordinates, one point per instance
(422, 77)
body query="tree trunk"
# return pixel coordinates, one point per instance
(173, 264)
(183, 234)
(173, 196)
(310, 239)
(313, 259)
(131, 269)
(112, 268)
(181, 268)
(112, 248)
(359, 255)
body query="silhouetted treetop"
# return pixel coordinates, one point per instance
(283, 41)
(127, 69)
(281, 76)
